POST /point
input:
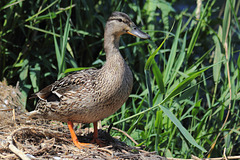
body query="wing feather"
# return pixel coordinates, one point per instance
(71, 82)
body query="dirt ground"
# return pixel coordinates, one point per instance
(23, 138)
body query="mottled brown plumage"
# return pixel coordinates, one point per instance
(90, 95)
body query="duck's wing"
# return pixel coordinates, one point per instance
(77, 80)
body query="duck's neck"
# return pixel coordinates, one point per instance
(111, 45)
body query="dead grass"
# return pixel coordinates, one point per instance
(34, 139)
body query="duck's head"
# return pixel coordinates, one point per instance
(120, 23)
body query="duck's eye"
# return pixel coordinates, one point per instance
(119, 20)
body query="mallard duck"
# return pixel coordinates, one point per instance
(90, 95)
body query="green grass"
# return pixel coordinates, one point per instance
(185, 98)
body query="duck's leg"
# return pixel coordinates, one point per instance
(75, 140)
(95, 135)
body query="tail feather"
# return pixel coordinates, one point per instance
(34, 95)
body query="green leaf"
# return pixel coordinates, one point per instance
(64, 43)
(185, 133)
(179, 61)
(151, 58)
(149, 87)
(43, 10)
(196, 33)
(76, 69)
(217, 56)
(158, 76)
(183, 85)
(34, 75)
(41, 30)
(173, 52)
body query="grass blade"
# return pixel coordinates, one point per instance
(172, 55)
(183, 85)
(185, 133)
(196, 33)
(158, 76)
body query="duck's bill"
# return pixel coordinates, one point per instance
(138, 33)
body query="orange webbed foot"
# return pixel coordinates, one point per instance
(83, 145)
(75, 140)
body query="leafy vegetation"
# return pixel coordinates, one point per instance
(186, 91)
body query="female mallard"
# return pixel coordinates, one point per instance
(90, 95)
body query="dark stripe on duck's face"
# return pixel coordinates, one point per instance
(119, 20)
